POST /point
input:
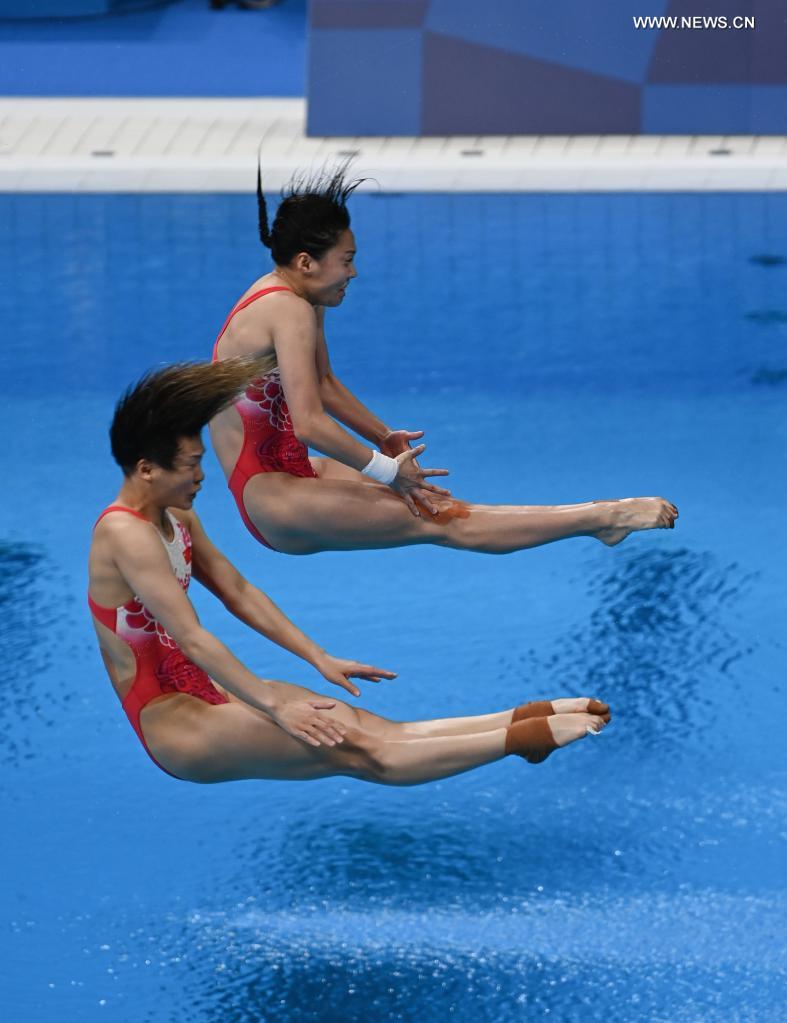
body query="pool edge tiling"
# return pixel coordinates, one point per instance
(211, 145)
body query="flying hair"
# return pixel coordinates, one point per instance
(168, 404)
(311, 215)
(262, 212)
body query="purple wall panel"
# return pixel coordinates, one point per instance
(769, 45)
(691, 56)
(505, 93)
(368, 13)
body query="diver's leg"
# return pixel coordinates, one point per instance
(303, 516)
(230, 742)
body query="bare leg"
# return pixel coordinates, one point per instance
(230, 742)
(384, 727)
(303, 516)
(398, 730)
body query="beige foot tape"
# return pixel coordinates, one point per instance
(531, 739)
(544, 708)
(534, 709)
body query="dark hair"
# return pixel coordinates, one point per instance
(168, 404)
(311, 215)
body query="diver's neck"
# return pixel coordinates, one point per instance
(139, 499)
(292, 282)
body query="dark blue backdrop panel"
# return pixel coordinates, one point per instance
(542, 29)
(466, 67)
(376, 79)
(696, 109)
(768, 104)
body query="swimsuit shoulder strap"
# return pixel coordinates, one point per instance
(120, 508)
(242, 305)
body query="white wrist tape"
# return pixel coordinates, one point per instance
(381, 468)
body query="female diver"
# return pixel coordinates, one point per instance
(202, 715)
(355, 498)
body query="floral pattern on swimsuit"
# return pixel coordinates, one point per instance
(268, 427)
(267, 394)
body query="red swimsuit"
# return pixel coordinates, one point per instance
(269, 443)
(162, 667)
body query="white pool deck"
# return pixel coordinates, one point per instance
(211, 145)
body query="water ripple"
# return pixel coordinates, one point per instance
(696, 955)
(767, 317)
(768, 259)
(658, 641)
(31, 614)
(769, 376)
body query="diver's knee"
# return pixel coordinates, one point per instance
(364, 755)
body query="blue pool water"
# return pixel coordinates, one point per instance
(555, 348)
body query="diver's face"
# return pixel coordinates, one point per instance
(177, 487)
(330, 275)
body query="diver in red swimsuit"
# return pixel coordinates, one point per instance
(269, 444)
(360, 495)
(198, 711)
(161, 666)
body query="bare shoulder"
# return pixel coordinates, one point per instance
(120, 539)
(254, 328)
(121, 535)
(286, 305)
(120, 525)
(269, 294)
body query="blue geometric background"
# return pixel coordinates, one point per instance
(466, 67)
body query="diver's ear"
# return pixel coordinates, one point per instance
(144, 469)
(303, 262)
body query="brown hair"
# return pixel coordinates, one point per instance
(174, 402)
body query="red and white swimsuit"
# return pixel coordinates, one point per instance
(162, 667)
(269, 443)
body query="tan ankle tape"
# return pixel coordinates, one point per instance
(531, 739)
(536, 709)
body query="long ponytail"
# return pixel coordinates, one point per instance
(262, 210)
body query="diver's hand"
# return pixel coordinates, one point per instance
(410, 483)
(397, 441)
(304, 719)
(339, 671)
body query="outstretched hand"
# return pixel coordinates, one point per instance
(410, 481)
(397, 441)
(340, 671)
